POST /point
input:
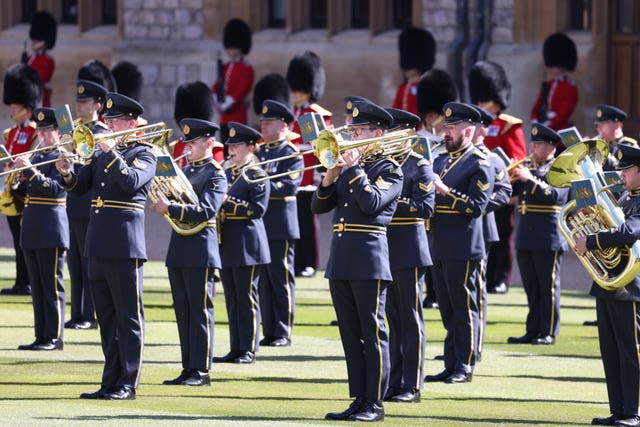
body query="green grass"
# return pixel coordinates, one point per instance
(518, 385)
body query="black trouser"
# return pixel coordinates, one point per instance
(407, 337)
(277, 290)
(619, 334)
(22, 277)
(193, 291)
(47, 291)
(81, 300)
(307, 247)
(360, 308)
(500, 261)
(540, 272)
(455, 283)
(481, 297)
(241, 298)
(116, 285)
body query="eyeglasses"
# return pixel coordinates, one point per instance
(357, 131)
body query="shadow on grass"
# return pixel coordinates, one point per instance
(292, 380)
(543, 377)
(517, 400)
(566, 356)
(43, 362)
(299, 358)
(485, 421)
(177, 418)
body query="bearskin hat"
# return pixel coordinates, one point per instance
(22, 86)
(193, 100)
(128, 79)
(44, 27)
(417, 49)
(488, 82)
(435, 88)
(97, 72)
(272, 86)
(560, 51)
(237, 34)
(306, 74)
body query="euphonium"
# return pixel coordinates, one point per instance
(610, 268)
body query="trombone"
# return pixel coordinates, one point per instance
(156, 133)
(327, 150)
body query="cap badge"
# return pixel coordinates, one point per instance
(448, 113)
(620, 155)
(599, 113)
(349, 105)
(534, 131)
(265, 109)
(109, 103)
(186, 129)
(40, 116)
(355, 112)
(81, 89)
(232, 132)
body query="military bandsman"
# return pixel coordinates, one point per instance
(609, 124)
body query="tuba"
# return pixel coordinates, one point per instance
(610, 268)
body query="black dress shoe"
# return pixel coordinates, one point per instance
(438, 377)
(333, 323)
(48, 345)
(16, 290)
(96, 394)
(197, 379)
(121, 393)
(266, 341)
(608, 421)
(408, 396)
(85, 324)
(280, 342)
(186, 373)
(227, 358)
(502, 288)
(628, 421)
(370, 412)
(543, 340)
(308, 272)
(590, 323)
(439, 357)
(525, 339)
(71, 324)
(459, 377)
(29, 346)
(391, 392)
(429, 303)
(245, 357)
(352, 409)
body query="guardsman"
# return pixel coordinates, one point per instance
(463, 188)
(539, 244)
(609, 124)
(277, 282)
(306, 78)
(618, 311)
(490, 89)
(272, 86)
(21, 92)
(558, 94)
(499, 198)
(43, 38)
(119, 178)
(245, 249)
(417, 52)
(45, 235)
(195, 101)
(191, 259)
(97, 72)
(90, 99)
(362, 190)
(408, 258)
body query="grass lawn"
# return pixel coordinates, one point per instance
(561, 384)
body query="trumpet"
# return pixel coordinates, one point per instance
(78, 155)
(517, 163)
(327, 150)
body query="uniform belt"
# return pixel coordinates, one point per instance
(30, 200)
(284, 198)
(524, 208)
(236, 218)
(407, 221)
(342, 227)
(116, 204)
(447, 210)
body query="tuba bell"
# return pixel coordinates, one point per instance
(610, 268)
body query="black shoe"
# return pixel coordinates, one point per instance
(16, 290)
(525, 339)
(628, 421)
(96, 394)
(245, 357)
(438, 377)
(391, 392)
(370, 412)
(439, 357)
(30, 346)
(227, 358)
(71, 324)
(197, 379)
(280, 342)
(459, 377)
(608, 421)
(48, 345)
(502, 288)
(590, 323)
(429, 303)
(85, 324)
(333, 323)
(186, 373)
(120, 393)
(266, 341)
(308, 272)
(543, 340)
(352, 409)
(409, 396)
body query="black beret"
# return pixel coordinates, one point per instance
(22, 86)
(417, 49)
(365, 113)
(242, 134)
(560, 51)
(435, 88)
(488, 82)
(272, 86)
(541, 133)
(45, 117)
(402, 119)
(349, 101)
(194, 100)
(96, 71)
(128, 79)
(86, 89)
(274, 110)
(456, 112)
(237, 34)
(44, 27)
(118, 105)
(606, 112)
(628, 156)
(485, 117)
(197, 128)
(306, 74)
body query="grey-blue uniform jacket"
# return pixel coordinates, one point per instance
(209, 182)
(499, 196)
(456, 227)
(44, 218)
(407, 234)
(244, 239)
(120, 181)
(538, 205)
(364, 198)
(281, 219)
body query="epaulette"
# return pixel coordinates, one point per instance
(145, 143)
(293, 146)
(5, 135)
(509, 121)
(257, 172)
(480, 153)
(319, 109)
(629, 141)
(416, 155)
(394, 161)
(216, 165)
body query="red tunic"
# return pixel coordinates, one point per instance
(19, 139)
(44, 66)
(561, 101)
(238, 81)
(309, 160)
(406, 97)
(505, 131)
